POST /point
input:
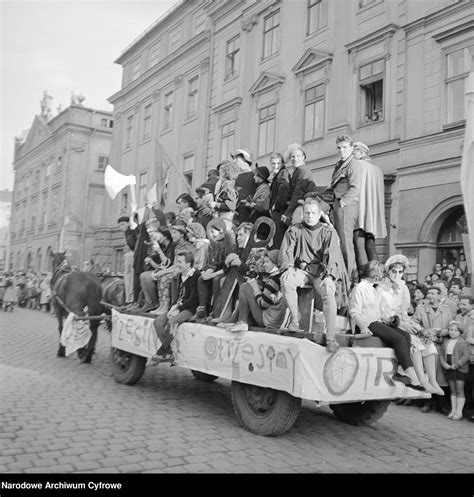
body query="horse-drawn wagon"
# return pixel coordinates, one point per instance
(271, 371)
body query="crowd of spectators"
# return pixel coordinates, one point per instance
(28, 289)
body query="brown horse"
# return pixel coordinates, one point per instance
(72, 292)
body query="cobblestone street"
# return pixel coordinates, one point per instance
(61, 416)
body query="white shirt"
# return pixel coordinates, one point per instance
(450, 346)
(364, 305)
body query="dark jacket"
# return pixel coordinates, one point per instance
(186, 294)
(246, 187)
(131, 237)
(300, 183)
(461, 355)
(280, 191)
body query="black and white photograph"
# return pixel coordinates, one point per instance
(236, 238)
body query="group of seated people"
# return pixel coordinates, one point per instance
(190, 259)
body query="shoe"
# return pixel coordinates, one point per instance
(201, 312)
(238, 327)
(149, 307)
(416, 387)
(456, 417)
(158, 359)
(402, 379)
(294, 327)
(331, 346)
(426, 409)
(450, 415)
(225, 326)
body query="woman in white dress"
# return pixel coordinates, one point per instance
(394, 305)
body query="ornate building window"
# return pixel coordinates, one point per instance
(136, 67)
(317, 15)
(102, 162)
(232, 57)
(266, 130)
(129, 132)
(142, 184)
(227, 139)
(371, 80)
(147, 122)
(314, 107)
(188, 168)
(168, 111)
(154, 54)
(192, 103)
(175, 36)
(458, 65)
(271, 34)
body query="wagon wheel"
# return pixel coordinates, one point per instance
(264, 411)
(340, 371)
(127, 368)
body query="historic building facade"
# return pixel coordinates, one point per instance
(212, 76)
(58, 194)
(5, 213)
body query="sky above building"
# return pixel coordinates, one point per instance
(62, 47)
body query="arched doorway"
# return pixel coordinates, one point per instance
(450, 240)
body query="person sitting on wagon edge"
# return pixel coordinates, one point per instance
(310, 255)
(260, 298)
(185, 298)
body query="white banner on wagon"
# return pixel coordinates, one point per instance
(297, 366)
(134, 334)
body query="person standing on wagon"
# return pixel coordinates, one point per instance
(310, 255)
(371, 220)
(345, 184)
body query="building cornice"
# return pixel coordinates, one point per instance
(172, 11)
(467, 26)
(227, 105)
(440, 15)
(216, 9)
(432, 139)
(152, 72)
(266, 82)
(432, 166)
(311, 60)
(386, 32)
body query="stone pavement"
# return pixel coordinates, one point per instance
(61, 416)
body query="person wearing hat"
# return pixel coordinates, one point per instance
(197, 236)
(221, 245)
(261, 299)
(260, 202)
(164, 276)
(244, 184)
(301, 179)
(394, 302)
(226, 195)
(204, 212)
(371, 219)
(161, 250)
